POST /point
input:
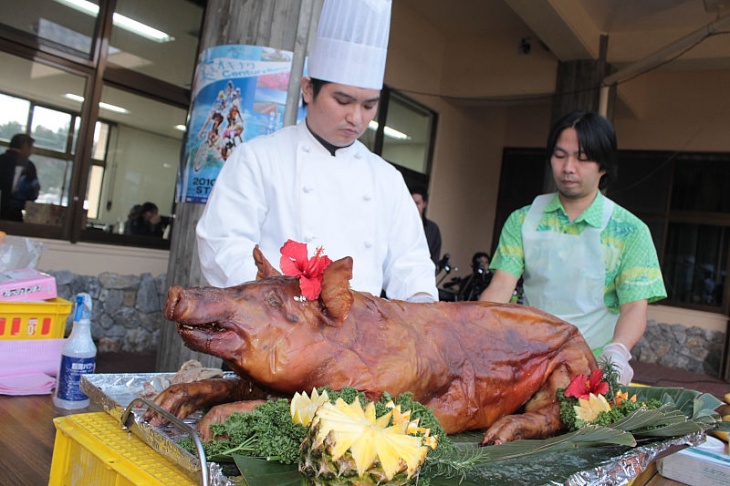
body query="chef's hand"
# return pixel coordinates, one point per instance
(619, 355)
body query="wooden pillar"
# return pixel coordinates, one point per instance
(579, 84)
(282, 24)
(578, 87)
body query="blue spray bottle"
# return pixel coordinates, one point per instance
(78, 357)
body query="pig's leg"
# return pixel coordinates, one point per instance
(541, 417)
(220, 413)
(538, 424)
(182, 399)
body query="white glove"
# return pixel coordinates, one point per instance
(619, 355)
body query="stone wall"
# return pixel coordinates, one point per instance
(127, 309)
(676, 346)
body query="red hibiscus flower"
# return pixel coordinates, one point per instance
(295, 263)
(582, 387)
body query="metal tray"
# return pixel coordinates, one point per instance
(117, 394)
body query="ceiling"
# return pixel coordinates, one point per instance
(562, 30)
(571, 29)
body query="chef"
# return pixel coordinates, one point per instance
(316, 183)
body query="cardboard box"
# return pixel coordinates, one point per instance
(26, 284)
(697, 466)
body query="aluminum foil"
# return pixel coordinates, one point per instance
(604, 465)
(600, 465)
(114, 392)
(622, 469)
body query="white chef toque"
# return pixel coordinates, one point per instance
(351, 43)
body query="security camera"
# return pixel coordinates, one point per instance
(525, 45)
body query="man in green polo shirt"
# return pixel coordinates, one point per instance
(583, 257)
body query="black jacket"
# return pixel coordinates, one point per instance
(8, 162)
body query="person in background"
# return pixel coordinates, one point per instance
(583, 257)
(12, 163)
(471, 287)
(433, 233)
(27, 188)
(315, 183)
(144, 220)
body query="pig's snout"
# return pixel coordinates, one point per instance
(198, 306)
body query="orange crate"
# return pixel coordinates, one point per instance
(34, 320)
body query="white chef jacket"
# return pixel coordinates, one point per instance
(288, 186)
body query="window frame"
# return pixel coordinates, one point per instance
(412, 178)
(96, 73)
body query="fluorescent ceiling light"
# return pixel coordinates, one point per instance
(106, 106)
(182, 128)
(389, 132)
(121, 21)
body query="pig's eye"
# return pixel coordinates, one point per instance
(273, 301)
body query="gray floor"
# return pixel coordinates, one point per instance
(655, 375)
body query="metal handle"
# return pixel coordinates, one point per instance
(180, 424)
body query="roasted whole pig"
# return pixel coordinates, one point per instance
(477, 365)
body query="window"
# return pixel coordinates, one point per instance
(406, 137)
(696, 263)
(127, 152)
(32, 101)
(407, 134)
(64, 25)
(53, 155)
(50, 128)
(165, 43)
(13, 116)
(135, 160)
(684, 198)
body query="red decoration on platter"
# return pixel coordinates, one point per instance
(582, 387)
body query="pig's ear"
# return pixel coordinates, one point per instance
(336, 295)
(266, 270)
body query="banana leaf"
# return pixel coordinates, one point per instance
(684, 412)
(260, 472)
(588, 436)
(691, 402)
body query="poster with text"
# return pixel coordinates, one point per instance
(239, 92)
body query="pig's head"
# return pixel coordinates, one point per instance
(242, 322)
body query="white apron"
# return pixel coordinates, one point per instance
(565, 274)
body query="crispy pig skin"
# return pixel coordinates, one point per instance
(477, 365)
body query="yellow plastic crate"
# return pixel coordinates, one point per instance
(34, 320)
(93, 449)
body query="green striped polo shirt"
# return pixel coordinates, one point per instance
(632, 266)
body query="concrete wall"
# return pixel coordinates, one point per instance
(95, 259)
